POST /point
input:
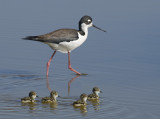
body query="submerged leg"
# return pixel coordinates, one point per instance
(48, 63)
(69, 65)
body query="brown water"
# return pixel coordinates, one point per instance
(123, 63)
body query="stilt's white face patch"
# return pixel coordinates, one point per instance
(89, 20)
(86, 26)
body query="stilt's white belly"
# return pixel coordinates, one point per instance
(66, 47)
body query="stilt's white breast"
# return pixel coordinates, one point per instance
(69, 46)
(66, 47)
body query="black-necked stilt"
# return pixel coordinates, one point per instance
(66, 40)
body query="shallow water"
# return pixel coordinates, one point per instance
(123, 63)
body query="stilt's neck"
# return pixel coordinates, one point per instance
(83, 28)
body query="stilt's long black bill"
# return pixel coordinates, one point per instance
(98, 28)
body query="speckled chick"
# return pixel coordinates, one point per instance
(31, 98)
(95, 94)
(82, 101)
(51, 99)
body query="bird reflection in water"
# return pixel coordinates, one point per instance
(95, 104)
(52, 106)
(47, 84)
(31, 105)
(82, 109)
(69, 83)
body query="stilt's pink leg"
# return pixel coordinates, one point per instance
(48, 63)
(69, 65)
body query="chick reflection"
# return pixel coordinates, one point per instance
(82, 109)
(31, 105)
(52, 106)
(95, 103)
